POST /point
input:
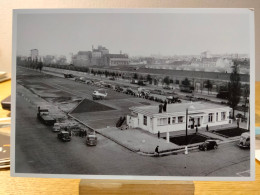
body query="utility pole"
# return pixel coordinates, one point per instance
(186, 138)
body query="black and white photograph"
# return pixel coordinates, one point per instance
(164, 94)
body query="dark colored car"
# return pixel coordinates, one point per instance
(64, 136)
(119, 89)
(68, 75)
(208, 145)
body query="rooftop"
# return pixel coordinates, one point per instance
(193, 108)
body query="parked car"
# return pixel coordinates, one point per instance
(91, 140)
(81, 79)
(208, 145)
(167, 87)
(118, 88)
(244, 141)
(112, 78)
(57, 127)
(68, 75)
(158, 91)
(130, 91)
(124, 127)
(99, 94)
(64, 136)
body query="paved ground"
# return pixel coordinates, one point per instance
(38, 150)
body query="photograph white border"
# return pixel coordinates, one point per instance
(139, 10)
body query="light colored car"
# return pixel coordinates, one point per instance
(99, 94)
(244, 141)
(91, 140)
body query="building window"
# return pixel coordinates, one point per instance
(145, 120)
(217, 116)
(162, 121)
(173, 120)
(180, 119)
(210, 118)
(223, 116)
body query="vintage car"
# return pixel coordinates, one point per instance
(68, 75)
(208, 145)
(64, 136)
(244, 141)
(91, 140)
(99, 94)
(81, 79)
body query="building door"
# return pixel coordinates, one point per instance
(198, 122)
(192, 123)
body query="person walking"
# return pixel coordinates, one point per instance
(207, 128)
(196, 129)
(157, 150)
(158, 134)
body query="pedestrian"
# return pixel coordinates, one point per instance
(207, 128)
(238, 123)
(157, 150)
(158, 134)
(196, 129)
(70, 133)
(85, 133)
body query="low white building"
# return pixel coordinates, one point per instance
(199, 114)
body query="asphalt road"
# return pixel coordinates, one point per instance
(39, 151)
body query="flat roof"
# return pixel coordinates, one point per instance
(193, 108)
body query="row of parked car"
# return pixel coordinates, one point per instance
(140, 92)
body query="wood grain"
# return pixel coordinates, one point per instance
(15, 185)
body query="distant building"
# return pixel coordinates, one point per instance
(34, 54)
(61, 60)
(200, 114)
(96, 55)
(49, 59)
(115, 59)
(205, 54)
(82, 58)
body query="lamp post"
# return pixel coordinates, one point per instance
(186, 138)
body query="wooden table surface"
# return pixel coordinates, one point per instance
(19, 185)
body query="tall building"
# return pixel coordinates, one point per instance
(97, 55)
(205, 54)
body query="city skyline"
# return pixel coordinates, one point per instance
(63, 34)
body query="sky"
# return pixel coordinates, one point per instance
(139, 34)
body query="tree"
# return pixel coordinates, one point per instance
(234, 88)
(246, 93)
(155, 81)
(209, 85)
(186, 82)
(135, 76)
(166, 80)
(149, 79)
(106, 73)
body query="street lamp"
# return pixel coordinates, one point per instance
(187, 115)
